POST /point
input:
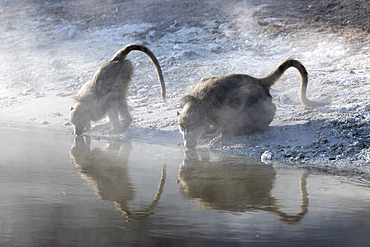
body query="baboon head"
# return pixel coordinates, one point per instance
(80, 118)
(192, 122)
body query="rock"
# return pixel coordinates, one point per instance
(39, 94)
(210, 24)
(188, 55)
(229, 33)
(153, 33)
(177, 47)
(266, 157)
(284, 99)
(223, 26)
(56, 64)
(367, 108)
(216, 49)
(67, 32)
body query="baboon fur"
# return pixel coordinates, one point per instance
(106, 94)
(235, 104)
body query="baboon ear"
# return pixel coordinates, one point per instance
(188, 98)
(178, 113)
(72, 108)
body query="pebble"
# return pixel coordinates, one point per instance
(266, 157)
(223, 26)
(56, 64)
(67, 32)
(177, 47)
(153, 33)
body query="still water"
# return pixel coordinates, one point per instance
(59, 191)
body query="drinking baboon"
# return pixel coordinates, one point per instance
(234, 104)
(106, 94)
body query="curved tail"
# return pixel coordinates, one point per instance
(275, 75)
(121, 55)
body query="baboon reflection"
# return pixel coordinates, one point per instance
(107, 171)
(237, 187)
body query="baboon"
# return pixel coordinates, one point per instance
(106, 94)
(234, 105)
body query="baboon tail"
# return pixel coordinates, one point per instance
(122, 54)
(275, 75)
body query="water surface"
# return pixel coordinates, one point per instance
(56, 190)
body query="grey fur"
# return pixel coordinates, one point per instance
(235, 104)
(106, 94)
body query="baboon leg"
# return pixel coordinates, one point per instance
(110, 105)
(215, 141)
(224, 136)
(257, 118)
(109, 101)
(114, 119)
(125, 115)
(88, 128)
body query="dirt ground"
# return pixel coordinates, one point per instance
(348, 18)
(50, 48)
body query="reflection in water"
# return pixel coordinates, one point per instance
(107, 171)
(44, 202)
(234, 187)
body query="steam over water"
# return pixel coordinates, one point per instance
(51, 48)
(64, 192)
(56, 190)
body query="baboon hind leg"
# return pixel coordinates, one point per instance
(125, 115)
(116, 106)
(114, 119)
(257, 118)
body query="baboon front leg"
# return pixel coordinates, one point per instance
(218, 140)
(215, 141)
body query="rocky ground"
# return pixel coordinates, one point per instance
(50, 48)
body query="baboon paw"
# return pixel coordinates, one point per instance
(219, 141)
(215, 143)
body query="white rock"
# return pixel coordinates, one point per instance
(152, 33)
(56, 64)
(266, 157)
(177, 47)
(67, 32)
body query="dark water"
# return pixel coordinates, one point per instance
(136, 194)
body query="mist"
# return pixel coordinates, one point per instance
(142, 186)
(51, 48)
